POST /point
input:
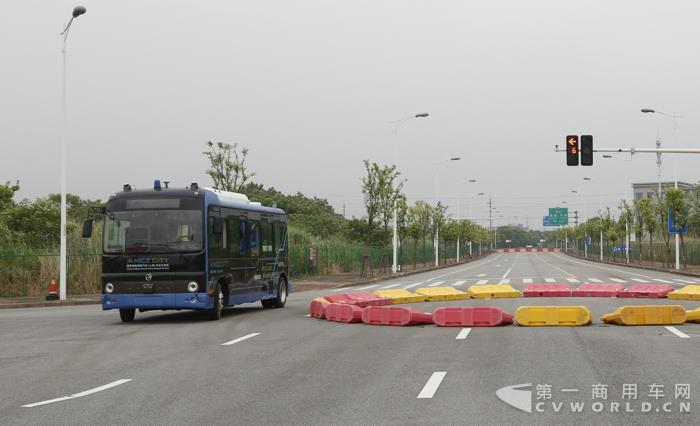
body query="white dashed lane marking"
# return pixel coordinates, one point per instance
(413, 285)
(240, 339)
(463, 334)
(677, 332)
(550, 280)
(390, 286)
(617, 280)
(527, 280)
(573, 280)
(458, 283)
(432, 385)
(368, 287)
(595, 280)
(80, 394)
(663, 281)
(505, 281)
(436, 283)
(482, 282)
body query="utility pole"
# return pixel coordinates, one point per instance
(491, 221)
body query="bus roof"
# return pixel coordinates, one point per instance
(211, 197)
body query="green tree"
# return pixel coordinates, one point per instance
(7, 193)
(677, 207)
(227, 166)
(647, 214)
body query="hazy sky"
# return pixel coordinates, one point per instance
(310, 86)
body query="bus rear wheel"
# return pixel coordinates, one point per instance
(217, 309)
(281, 299)
(127, 315)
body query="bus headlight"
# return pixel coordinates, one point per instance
(109, 288)
(192, 286)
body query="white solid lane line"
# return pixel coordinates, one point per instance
(677, 332)
(368, 287)
(390, 286)
(595, 280)
(573, 280)
(463, 334)
(412, 285)
(458, 283)
(684, 281)
(527, 280)
(436, 283)
(80, 394)
(432, 385)
(663, 281)
(240, 339)
(617, 280)
(339, 289)
(550, 280)
(482, 282)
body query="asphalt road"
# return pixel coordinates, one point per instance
(300, 370)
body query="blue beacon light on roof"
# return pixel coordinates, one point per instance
(156, 184)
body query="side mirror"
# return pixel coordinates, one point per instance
(87, 228)
(218, 226)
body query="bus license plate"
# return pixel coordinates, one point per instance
(148, 288)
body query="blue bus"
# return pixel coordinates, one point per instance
(190, 248)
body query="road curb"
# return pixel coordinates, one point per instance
(632, 265)
(47, 304)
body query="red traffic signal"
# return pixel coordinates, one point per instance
(572, 150)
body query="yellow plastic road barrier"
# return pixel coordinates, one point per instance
(689, 292)
(492, 291)
(437, 294)
(692, 316)
(400, 296)
(646, 315)
(536, 316)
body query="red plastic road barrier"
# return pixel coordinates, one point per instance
(528, 248)
(517, 249)
(342, 312)
(317, 308)
(539, 249)
(547, 290)
(506, 250)
(395, 315)
(359, 298)
(471, 316)
(598, 290)
(550, 248)
(646, 291)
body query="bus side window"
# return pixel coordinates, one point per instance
(217, 236)
(255, 238)
(279, 230)
(237, 241)
(266, 238)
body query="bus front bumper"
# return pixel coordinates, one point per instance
(157, 301)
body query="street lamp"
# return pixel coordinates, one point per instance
(459, 218)
(395, 239)
(77, 11)
(658, 163)
(437, 202)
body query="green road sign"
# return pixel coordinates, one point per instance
(558, 216)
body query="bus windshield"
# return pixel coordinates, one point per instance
(153, 231)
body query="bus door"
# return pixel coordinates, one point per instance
(267, 255)
(238, 260)
(257, 283)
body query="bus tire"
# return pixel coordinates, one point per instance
(281, 299)
(127, 315)
(217, 309)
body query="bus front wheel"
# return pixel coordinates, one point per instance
(215, 312)
(281, 299)
(127, 315)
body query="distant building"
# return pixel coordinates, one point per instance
(649, 189)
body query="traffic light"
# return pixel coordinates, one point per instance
(572, 150)
(586, 150)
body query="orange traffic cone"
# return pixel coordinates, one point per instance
(53, 291)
